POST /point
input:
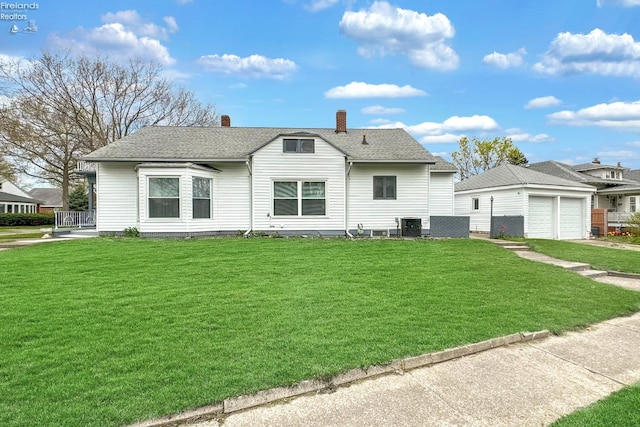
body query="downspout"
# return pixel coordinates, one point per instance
(346, 198)
(248, 163)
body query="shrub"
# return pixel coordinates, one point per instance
(633, 224)
(131, 232)
(14, 219)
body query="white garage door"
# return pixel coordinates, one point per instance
(541, 217)
(571, 219)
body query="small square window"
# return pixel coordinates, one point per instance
(475, 204)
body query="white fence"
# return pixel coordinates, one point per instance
(75, 219)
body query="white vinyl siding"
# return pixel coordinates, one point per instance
(412, 195)
(441, 194)
(117, 198)
(505, 202)
(326, 164)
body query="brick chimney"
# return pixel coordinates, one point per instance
(341, 121)
(225, 121)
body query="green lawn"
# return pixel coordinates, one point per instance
(600, 258)
(105, 332)
(621, 409)
(21, 232)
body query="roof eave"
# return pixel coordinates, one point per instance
(415, 161)
(164, 160)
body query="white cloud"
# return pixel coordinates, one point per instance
(542, 102)
(619, 154)
(446, 138)
(593, 53)
(124, 35)
(254, 66)
(615, 115)
(366, 90)
(379, 109)
(449, 131)
(131, 20)
(623, 3)
(317, 5)
(634, 144)
(473, 123)
(505, 60)
(387, 30)
(518, 135)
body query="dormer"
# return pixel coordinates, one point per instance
(598, 170)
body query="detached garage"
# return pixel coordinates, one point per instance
(551, 207)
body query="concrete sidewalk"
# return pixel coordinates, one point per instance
(528, 384)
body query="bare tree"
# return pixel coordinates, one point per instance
(6, 171)
(62, 106)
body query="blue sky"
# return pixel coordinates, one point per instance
(560, 77)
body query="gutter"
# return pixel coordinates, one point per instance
(250, 169)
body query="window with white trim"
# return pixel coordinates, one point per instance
(164, 197)
(632, 204)
(298, 145)
(201, 197)
(475, 203)
(384, 187)
(299, 198)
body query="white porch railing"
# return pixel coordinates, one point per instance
(84, 166)
(75, 219)
(618, 217)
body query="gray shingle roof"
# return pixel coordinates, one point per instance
(8, 197)
(593, 166)
(50, 197)
(443, 166)
(562, 170)
(507, 175)
(198, 144)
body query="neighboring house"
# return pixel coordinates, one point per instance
(618, 188)
(551, 207)
(15, 200)
(51, 199)
(183, 181)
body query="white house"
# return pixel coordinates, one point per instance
(551, 207)
(15, 200)
(183, 181)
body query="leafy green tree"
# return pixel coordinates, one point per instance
(79, 199)
(478, 155)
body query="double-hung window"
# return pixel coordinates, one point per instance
(384, 187)
(475, 204)
(632, 204)
(299, 198)
(164, 197)
(201, 197)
